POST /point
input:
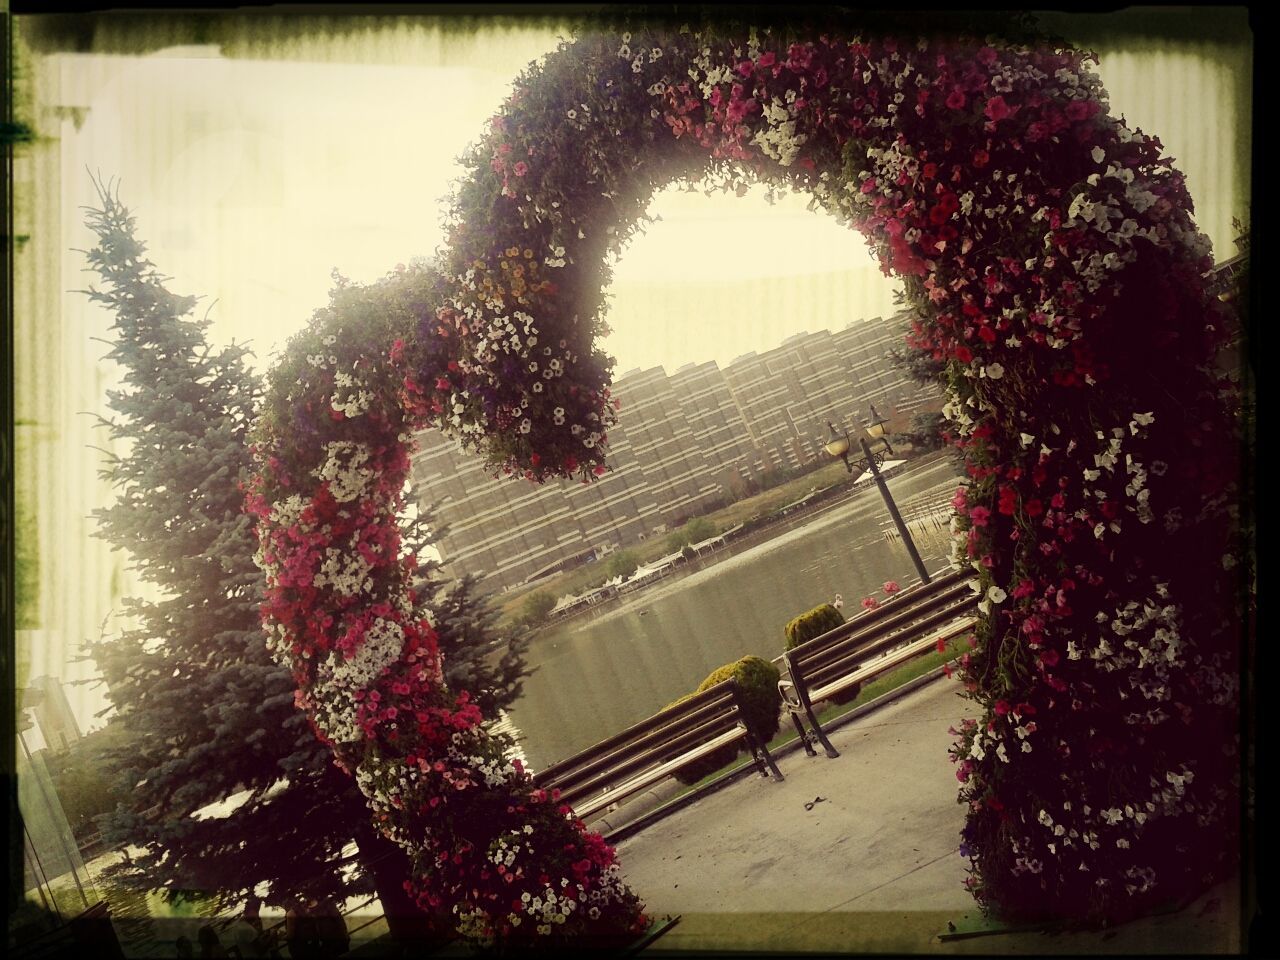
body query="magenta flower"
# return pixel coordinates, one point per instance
(891, 586)
(996, 109)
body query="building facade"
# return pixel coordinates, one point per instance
(684, 443)
(54, 717)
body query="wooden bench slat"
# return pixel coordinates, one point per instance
(820, 673)
(897, 657)
(639, 738)
(713, 698)
(904, 616)
(655, 774)
(641, 755)
(872, 643)
(623, 763)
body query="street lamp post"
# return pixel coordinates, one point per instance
(839, 447)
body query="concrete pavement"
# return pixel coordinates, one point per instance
(859, 855)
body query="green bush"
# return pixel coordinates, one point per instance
(814, 624)
(622, 564)
(695, 531)
(537, 605)
(699, 529)
(761, 703)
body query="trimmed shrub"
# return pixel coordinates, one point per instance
(761, 702)
(814, 624)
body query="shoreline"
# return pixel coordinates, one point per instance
(732, 548)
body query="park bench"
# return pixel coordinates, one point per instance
(654, 749)
(878, 640)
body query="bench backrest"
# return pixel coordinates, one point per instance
(651, 742)
(915, 610)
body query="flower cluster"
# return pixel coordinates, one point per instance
(340, 612)
(1058, 278)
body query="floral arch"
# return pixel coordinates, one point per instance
(1051, 255)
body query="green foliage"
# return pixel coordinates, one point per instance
(476, 657)
(85, 783)
(699, 529)
(203, 711)
(694, 531)
(622, 564)
(812, 624)
(14, 133)
(925, 432)
(761, 702)
(537, 605)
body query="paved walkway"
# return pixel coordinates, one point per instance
(872, 867)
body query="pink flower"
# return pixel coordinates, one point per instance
(996, 109)
(1080, 109)
(955, 100)
(891, 586)
(870, 603)
(979, 516)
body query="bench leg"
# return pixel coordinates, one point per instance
(768, 758)
(832, 752)
(805, 736)
(764, 760)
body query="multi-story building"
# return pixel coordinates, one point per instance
(683, 443)
(53, 714)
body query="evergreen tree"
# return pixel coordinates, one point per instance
(493, 670)
(205, 712)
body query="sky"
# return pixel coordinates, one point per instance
(253, 177)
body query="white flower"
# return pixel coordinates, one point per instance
(996, 595)
(994, 370)
(1098, 154)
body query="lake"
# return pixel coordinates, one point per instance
(601, 672)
